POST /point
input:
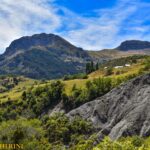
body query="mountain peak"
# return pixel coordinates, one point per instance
(43, 56)
(43, 39)
(134, 45)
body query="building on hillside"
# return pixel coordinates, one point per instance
(116, 67)
(127, 65)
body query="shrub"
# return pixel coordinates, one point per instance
(108, 72)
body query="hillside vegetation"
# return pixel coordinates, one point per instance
(107, 69)
(137, 64)
(58, 132)
(27, 111)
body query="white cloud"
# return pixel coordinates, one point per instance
(110, 26)
(25, 17)
(106, 29)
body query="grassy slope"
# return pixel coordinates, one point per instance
(126, 71)
(133, 69)
(16, 92)
(112, 54)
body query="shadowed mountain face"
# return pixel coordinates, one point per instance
(124, 111)
(134, 45)
(42, 56)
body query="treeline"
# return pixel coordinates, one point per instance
(91, 67)
(75, 76)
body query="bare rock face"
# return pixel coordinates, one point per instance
(124, 111)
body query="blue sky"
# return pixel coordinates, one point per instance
(90, 24)
(85, 6)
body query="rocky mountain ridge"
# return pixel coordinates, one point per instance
(48, 56)
(134, 45)
(43, 56)
(50, 41)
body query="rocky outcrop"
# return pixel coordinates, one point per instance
(134, 45)
(124, 111)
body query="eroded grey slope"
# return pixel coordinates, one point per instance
(124, 111)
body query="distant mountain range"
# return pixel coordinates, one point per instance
(134, 45)
(50, 56)
(126, 48)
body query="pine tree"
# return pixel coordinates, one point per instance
(92, 67)
(87, 68)
(97, 66)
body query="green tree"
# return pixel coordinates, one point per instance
(97, 66)
(109, 71)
